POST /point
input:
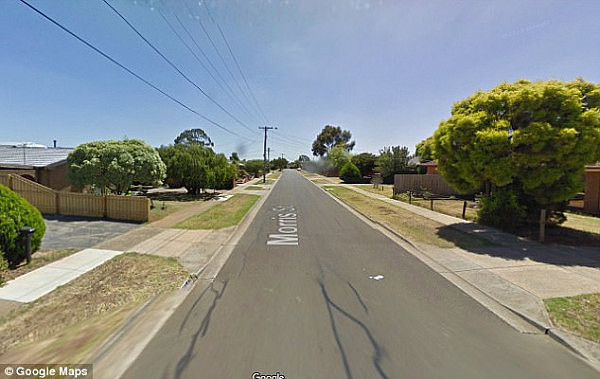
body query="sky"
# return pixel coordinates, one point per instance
(386, 70)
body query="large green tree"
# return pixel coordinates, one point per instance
(530, 138)
(114, 165)
(338, 156)
(329, 137)
(189, 166)
(194, 137)
(391, 161)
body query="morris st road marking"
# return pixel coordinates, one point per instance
(287, 227)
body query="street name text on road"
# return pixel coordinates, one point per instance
(287, 226)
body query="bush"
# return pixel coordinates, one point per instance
(3, 267)
(502, 210)
(15, 213)
(350, 173)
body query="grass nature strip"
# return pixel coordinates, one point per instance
(415, 227)
(225, 214)
(578, 314)
(69, 322)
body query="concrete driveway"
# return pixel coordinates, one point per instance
(64, 232)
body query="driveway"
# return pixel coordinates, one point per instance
(64, 232)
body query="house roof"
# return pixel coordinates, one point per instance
(429, 163)
(19, 156)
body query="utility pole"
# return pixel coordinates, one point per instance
(268, 153)
(265, 128)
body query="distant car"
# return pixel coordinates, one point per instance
(299, 169)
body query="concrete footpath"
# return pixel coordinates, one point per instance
(194, 248)
(514, 272)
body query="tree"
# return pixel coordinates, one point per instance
(189, 166)
(234, 157)
(392, 161)
(225, 172)
(114, 165)
(555, 130)
(329, 137)
(279, 163)
(338, 157)
(254, 166)
(365, 162)
(424, 149)
(194, 137)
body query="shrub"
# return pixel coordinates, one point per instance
(15, 213)
(350, 173)
(3, 267)
(501, 209)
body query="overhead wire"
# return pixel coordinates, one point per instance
(223, 60)
(198, 58)
(230, 91)
(236, 62)
(156, 50)
(128, 70)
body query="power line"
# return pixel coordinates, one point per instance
(207, 34)
(230, 93)
(236, 62)
(97, 50)
(196, 56)
(174, 66)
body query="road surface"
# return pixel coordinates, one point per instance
(341, 301)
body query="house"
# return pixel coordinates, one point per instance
(591, 201)
(44, 165)
(431, 166)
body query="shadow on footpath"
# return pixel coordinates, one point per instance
(509, 246)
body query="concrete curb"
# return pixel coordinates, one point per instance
(113, 357)
(411, 247)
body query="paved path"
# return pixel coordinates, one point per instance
(37, 283)
(346, 301)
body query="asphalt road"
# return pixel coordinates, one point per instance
(345, 302)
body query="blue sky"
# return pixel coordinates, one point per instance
(388, 71)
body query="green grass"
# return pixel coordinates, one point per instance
(578, 314)
(413, 226)
(583, 223)
(164, 208)
(385, 190)
(225, 214)
(254, 188)
(321, 181)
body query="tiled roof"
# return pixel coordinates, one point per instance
(32, 156)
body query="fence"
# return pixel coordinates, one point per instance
(49, 201)
(421, 183)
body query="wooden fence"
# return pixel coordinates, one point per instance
(421, 183)
(49, 201)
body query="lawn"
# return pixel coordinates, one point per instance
(578, 314)
(254, 188)
(164, 208)
(583, 223)
(225, 214)
(385, 190)
(415, 227)
(66, 324)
